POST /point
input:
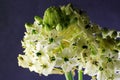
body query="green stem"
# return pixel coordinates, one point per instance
(69, 76)
(80, 75)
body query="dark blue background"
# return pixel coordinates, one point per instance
(14, 14)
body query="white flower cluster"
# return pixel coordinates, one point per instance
(80, 45)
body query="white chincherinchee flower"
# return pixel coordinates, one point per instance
(108, 62)
(90, 68)
(65, 40)
(66, 60)
(47, 66)
(24, 61)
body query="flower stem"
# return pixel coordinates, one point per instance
(80, 75)
(69, 76)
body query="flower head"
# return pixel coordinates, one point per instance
(65, 40)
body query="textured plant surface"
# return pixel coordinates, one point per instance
(66, 40)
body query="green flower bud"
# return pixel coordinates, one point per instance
(28, 25)
(38, 19)
(52, 16)
(114, 34)
(105, 30)
(58, 27)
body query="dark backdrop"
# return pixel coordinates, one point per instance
(14, 14)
